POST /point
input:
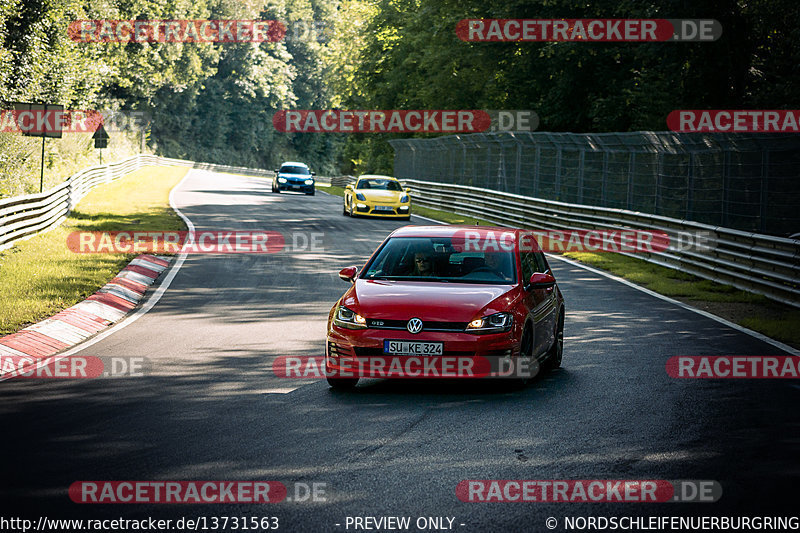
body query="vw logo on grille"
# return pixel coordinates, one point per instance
(414, 325)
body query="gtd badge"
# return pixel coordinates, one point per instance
(414, 325)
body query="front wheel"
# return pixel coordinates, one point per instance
(342, 383)
(556, 352)
(527, 370)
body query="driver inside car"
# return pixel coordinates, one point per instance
(497, 264)
(423, 264)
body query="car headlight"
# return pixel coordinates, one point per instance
(309, 182)
(281, 180)
(361, 197)
(347, 318)
(495, 323)
(361, 206)
(404, 199)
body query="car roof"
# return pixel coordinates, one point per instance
(450, 231)
(294, 164)
(377, 176)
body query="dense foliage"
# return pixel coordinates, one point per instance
(214, 102)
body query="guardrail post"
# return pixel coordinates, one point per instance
(689, 187)
(726, 178)
(557, 185)
(764, 191)
(518, 175)
(604, 179)
(631, 173)
(581, 160)
(659, 173)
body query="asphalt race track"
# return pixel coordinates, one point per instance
(209, 406)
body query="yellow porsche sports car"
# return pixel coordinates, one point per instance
(375, 195)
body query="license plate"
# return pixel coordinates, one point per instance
(384, 208)
(295, 186)
(412, 348)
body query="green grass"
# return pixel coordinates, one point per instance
(41, 276)
(752, 311)
(664, 280)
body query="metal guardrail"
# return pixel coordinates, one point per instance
(762, 264)
(24, 216)
(757, 263)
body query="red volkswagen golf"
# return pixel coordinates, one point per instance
(433, 296)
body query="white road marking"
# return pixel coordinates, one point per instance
(757, 335)
(152, 301)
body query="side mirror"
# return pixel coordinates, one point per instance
(277, 170)
(349, 274)
(349, 186)
(542, 281)
(313, 173)
(407, 189)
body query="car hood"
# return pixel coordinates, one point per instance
(381, 196)
(441, 302)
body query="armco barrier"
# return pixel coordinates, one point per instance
(24, 216)
(757, 263)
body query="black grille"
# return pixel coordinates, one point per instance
(426, 326)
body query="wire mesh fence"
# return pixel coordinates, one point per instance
(749, 182)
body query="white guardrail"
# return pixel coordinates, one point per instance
(24, 216)
(757, 263)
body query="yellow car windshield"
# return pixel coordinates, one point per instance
(379, 185)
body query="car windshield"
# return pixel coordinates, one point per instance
(439, 259)
(291, 169)
(379, 184)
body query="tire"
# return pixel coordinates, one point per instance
(344, 209)
(342, 383)
(351, 211)
(556, 353)
(311, 193)
(526, 351)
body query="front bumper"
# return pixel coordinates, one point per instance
(296, 187)
(358, 353)
(372, 210)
